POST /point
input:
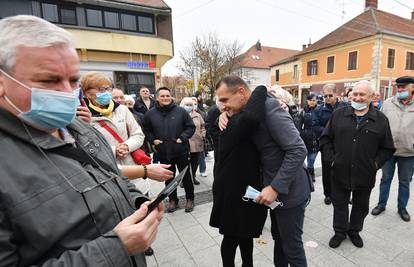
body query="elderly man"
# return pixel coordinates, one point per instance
(323, 114)
(118, 96)
(285, 179)
(62, 199)
(144, 102)
(400, 112)
(358, 141)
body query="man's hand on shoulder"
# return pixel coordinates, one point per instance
(267, 196)
(223, 120)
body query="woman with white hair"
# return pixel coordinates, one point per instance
(287, 102)
(197, 140)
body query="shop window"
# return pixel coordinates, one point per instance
(330, 63)
(128, 22)
(391, 57)
(111, 20)
(50, 12)
(94, 18)
(352, 60)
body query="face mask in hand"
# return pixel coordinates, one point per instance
(49, 109)
(252, 193)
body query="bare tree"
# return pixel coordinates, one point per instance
(213, 58)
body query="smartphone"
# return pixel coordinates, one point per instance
(167, 190)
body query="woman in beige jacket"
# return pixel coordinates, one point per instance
(197, 140)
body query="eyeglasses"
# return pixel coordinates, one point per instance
(326, 96)
(104, 89)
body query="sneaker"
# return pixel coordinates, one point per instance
(377, 210)
(195, 181)
(356, 240)
(336, 240)
(327, 200)
(203, 174)
(149, 252)
(172, 206)
(189, 206)
(404, 215)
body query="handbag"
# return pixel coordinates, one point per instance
(139, 156)
(208, 143)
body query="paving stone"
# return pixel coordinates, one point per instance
(195, 238)
(175, 258)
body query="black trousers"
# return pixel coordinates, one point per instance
(326, 177)
(287, 230)
(180, 162)
(228, 250)
(342, 223)
(194, 160)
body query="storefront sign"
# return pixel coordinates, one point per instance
(141, 64)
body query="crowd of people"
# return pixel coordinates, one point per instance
(81, 196)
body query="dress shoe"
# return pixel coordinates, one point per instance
(327, 200)
(172, 206)
(356, 240)
(404, 215)
(336, 240)
(149, 252)
(195, 181)
(377, 210)
(189, 206)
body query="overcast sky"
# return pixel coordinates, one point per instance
(276, 23)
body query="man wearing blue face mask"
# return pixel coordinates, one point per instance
(400, 112)
(358, 141)
(63, 201)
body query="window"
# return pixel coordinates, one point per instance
(391, 57)
(68, 15)
(409, 63)
(145, 24)
(94, 18)
(312, 67)
(111, 20)
(330, 63)
(352, 60)
(277, 75)
(295, 72)
(50, 12)
(129, 22)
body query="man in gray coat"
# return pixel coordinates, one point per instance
(62, 201)
(285, 179)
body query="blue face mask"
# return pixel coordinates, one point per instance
(50, 109)
(403, 95)
(358, 106)
(103, 98)
(188, 109)
(251, 194)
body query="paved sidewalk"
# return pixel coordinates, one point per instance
(186, 239)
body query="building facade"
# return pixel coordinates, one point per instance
(128, 40)
(375, 46)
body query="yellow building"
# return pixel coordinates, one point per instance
(375, 46)
(128, 40)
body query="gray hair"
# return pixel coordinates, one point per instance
(29, 31)
(329, 86)
(282, 94)
(367, 84)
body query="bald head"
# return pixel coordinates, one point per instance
(118, 96)
(363, 92)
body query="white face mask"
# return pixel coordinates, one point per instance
(251, 194)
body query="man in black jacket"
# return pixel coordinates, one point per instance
(358, 141)
(169, 127)
(144, 103)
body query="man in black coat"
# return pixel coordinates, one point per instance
(322, 115)
(144, 102)
(169, 127)
(358, 141)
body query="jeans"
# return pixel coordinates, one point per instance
(311, 159)
(405, 174)
(202, 162)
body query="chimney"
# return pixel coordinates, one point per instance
(310, 42)
(371, 4)
(303, 46)
(258, 46)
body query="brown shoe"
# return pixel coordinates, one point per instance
(172, 206)
(189, 206)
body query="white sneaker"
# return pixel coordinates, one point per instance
(203, 174)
